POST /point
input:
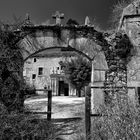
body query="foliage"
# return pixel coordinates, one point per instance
(123, 46)
(24, 126)
(120, 46)
(120, 122)
(72, 22)
(11, 60)
(78, 72)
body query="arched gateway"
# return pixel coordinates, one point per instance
(78, 38)
(37, 38)
(32, 39)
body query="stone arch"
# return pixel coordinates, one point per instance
(37, 38)
(41, 38)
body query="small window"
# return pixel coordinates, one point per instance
(40, 71)
(34, 59)
(57, 68)
(33, 76)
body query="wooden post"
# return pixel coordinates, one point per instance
(49, 105)
(88, 112)
(92, 89)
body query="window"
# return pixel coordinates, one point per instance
(40, 71)
(57, 68)
(34, 59)
(33, 76)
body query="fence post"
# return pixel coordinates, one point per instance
(49, 105)
(88, 112)
(92, 90)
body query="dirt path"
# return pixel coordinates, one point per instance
(62, 107)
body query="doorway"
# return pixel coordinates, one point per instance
(138, 93)
(63, 89)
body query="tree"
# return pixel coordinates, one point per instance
(78, 72)
(11, 62)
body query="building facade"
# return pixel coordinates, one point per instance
(43, 70)
(46, 72)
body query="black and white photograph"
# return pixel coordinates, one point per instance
(69, 69)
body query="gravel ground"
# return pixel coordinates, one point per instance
(62, 106)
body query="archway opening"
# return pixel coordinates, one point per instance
(42, 69)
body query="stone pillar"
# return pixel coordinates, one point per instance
(116, 81)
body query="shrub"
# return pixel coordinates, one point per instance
(17, 126)
(10, 94)
(72, 22)
(117, 123)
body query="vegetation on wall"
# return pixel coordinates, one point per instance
(12, 87)
(117, 56)
(72, 22)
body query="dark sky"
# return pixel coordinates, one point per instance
(41, 10)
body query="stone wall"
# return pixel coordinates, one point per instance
(130, 24)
